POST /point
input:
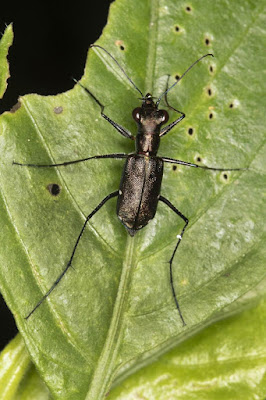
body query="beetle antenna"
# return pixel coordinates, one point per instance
(179, 79)
(117, 63)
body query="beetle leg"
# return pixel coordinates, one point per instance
(116, 155)
(167, 128)
(123, 131)
(188, 164)
(166, 98)
(111, 195)
(173, 208)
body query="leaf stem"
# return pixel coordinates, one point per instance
(105, 369)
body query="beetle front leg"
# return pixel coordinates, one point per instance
(123, 131)
(167, 128)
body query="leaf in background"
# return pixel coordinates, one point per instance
(225, 361)
(5, 43)
(114, 312)
(19, 379)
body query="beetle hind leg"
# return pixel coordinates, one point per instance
(173, 208)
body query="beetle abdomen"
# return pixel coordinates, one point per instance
(139, 191)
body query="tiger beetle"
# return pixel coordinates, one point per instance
(140, 186)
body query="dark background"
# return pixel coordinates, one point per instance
(50, 47)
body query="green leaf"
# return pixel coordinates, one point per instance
(225, 361)
(5, 43)
(14, 361)
(18, 377)
(114, 312)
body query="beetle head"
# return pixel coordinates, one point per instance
(149, 112)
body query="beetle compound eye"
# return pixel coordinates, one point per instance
(136, 114)
(164, 116)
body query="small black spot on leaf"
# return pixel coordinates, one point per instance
(198, 159)
(188, 8)
(177, 29)
(211, 116)
(177, 77)
(190, 131)
(120, 44)
(54, 189)
(174, 167)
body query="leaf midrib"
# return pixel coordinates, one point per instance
(105, 369)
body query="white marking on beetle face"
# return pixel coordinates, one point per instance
(179, 237)
(120, 192)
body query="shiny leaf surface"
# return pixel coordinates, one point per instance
(114, 312)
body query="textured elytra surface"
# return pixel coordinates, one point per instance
(115, 309)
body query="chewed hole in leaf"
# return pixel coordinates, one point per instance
(234, 104)
(178, 29)
(54, 189)
(120, 44)
(209, 91)
(225, 176)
